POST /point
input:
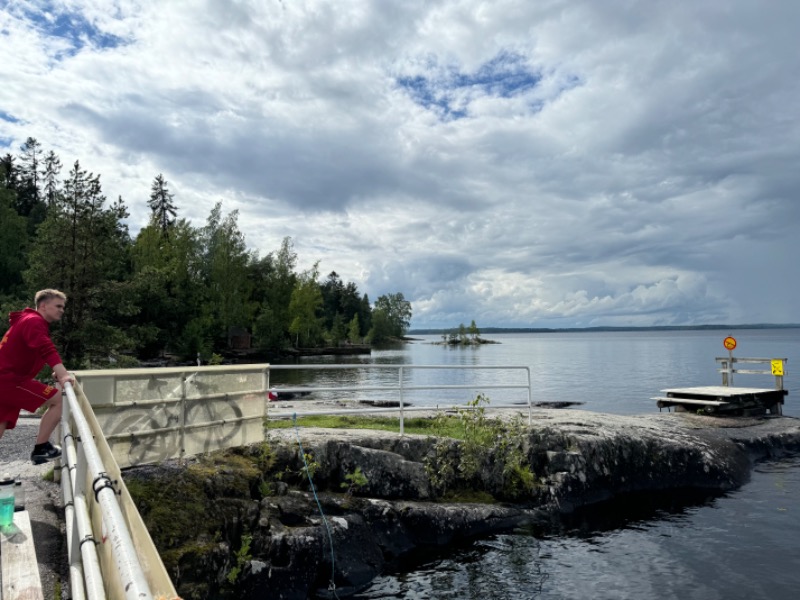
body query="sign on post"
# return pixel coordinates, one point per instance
(777, 367)
(729, 343)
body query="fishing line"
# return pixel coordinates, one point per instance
(332, 585)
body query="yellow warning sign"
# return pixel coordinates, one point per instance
(729, 342)
(777, 367)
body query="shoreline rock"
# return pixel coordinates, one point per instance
(578, 458)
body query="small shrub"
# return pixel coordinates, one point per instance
(243, 556)
(354, 481)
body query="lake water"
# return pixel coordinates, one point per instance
(615, 372)
(743, 544)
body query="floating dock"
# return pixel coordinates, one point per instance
(714, 399)
(726, 399)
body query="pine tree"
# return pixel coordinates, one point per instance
(164, 211)
(50, 174)
(28, 195)
(80, 247)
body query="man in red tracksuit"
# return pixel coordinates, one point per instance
(24, 350)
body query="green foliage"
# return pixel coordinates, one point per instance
(343, 309)
(354, 481)
(354, 330)
(304, 309)
(391, 317)
(440, 467)
(80, 246)
(310, 465)
(462, 335)
(265, 488)
(174, 289)
(13, 245)
(242, 556)
(443, 425)
(226, 273)
(486, 442)
(160, 203)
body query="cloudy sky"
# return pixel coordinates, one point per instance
(549, 163)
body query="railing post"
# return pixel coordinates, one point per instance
(265, 385)
(779, 376)
(183, 419)
(530, 398)
(402, 422)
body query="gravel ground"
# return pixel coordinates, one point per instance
(43, 503)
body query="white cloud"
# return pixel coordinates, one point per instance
(516, 163)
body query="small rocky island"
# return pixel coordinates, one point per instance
(463, 336)
(245, 524)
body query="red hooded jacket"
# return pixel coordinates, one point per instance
(26, 347)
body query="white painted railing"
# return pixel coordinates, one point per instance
(105, 561)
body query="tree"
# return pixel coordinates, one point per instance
(81, 245)
(397, 311)
(168, 286)
(354, 331)
(304, 310)
(29, 202)
(13, 245)
(381, 329)
(274, 279)
(8, 173)
(52, 170)
(226, 275)
(164, 211)
(341, 302)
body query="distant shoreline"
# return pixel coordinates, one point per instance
(610, 328)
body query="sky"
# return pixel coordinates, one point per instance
(558, 163)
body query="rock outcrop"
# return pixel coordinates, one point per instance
(266, 534)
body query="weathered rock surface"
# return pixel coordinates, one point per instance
(578, 458)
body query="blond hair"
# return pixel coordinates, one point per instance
(48, 294)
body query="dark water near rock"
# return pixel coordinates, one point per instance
(744, 544)
(740, 545)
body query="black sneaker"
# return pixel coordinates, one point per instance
(47, 453)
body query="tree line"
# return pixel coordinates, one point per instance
(173, 288)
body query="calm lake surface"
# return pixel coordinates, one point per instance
(614, 372)
(744, 544)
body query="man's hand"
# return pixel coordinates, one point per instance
(62, 375)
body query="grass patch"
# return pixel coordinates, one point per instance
(468, 497)
(442, 426)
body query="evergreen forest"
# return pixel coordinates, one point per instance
(174, 290)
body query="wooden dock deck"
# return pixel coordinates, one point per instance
(20, 569)
(718, 399)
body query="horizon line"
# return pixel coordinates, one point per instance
(492, 329)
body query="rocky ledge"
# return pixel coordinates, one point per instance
(248, 525)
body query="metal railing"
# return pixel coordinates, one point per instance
(777, 368)
(402, 388)
(104, 559)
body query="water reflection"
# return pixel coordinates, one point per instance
(681, 545)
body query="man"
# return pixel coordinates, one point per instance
(25, 349)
